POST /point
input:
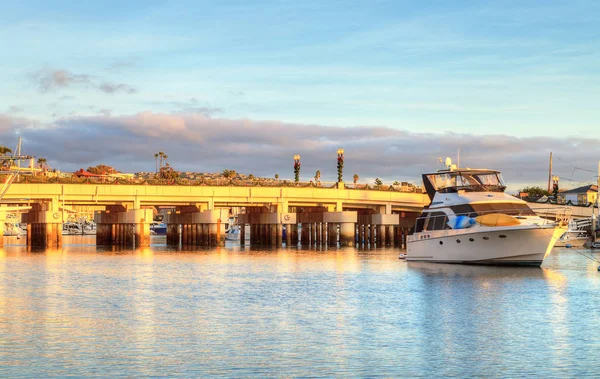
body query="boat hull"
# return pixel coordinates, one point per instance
(516, 246)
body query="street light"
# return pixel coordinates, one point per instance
(555, 185)
(340, 163)
(297, 168)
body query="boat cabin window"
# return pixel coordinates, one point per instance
(432, 221)
(513, 209)
(469, 180)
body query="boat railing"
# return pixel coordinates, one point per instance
(563, 216)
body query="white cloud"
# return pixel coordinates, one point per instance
(195, 142)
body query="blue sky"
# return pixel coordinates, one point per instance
(515, 68)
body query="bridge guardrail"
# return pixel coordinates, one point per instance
(211, 182)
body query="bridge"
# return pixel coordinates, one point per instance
(326, 215)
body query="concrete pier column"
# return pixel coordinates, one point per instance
(380, 237)
(305, 234)
(214, 238)
(347, 234)
(242, 234)
(272, 235)
(204, 235)
(172, 235)
(390, 235)
(142, 235)
(184, 234)
(118, 240)
(44, 225)
(294, 234)
(196, 231)
(279, 231)
(364, 234)
(252, 234)
(288, 235)
(319, 233)
(332, 233)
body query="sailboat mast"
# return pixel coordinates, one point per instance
(550, 173)
(19, 152)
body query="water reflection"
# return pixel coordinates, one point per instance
(235, 311)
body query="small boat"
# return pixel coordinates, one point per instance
(14, 229)
(79, 228)
(576, 235)
(472, 221)
(158, 228)
(233, 233)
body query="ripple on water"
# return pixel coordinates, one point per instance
(236, 312)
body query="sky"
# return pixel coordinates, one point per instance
(246, 85)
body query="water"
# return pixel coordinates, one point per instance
(231, 312)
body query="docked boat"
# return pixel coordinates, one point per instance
(14, 229)
(78, 228)
(576, 235)
(471, 220)
(233, 233)
(158, 228)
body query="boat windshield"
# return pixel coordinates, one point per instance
(478, 181)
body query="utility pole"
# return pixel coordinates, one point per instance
(594, 216)
(550, 173)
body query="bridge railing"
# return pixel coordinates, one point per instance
(225, 182)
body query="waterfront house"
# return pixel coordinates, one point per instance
(579, 196)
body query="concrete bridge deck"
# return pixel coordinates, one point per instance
(209, 197)
(383, 217)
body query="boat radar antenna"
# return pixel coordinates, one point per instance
(448, 164)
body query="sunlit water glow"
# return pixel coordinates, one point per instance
(235, 312)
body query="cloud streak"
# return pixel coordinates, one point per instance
(195, 142)
(48, 80)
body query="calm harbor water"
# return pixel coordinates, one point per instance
(234, 312)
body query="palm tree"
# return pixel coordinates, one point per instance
(317, 176)
(4, 150)
(161, 155)
(276, 176)
(355, 179)
(165, 158)
(41, 162)
(156, 161)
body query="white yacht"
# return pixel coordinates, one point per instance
(471, 220)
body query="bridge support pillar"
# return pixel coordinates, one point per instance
(347, 221)
(120, 227)
(197, 228)
(243, 234)
(44, 226)
(390, 235)
(347, 236)
(266, 228)
(293, 232)
(380, 238)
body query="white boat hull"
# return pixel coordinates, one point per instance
(486, 245)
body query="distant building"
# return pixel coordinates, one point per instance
(579, 196)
